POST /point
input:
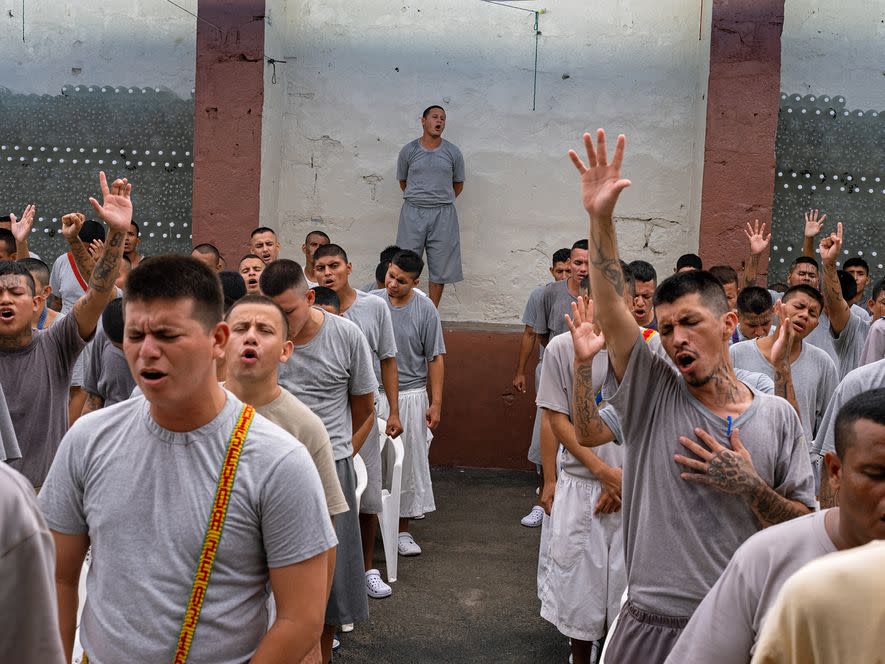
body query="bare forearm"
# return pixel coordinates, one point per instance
(565, 434)
(828, 498)
(22, 250)
(836, 305)
(549, 446)
(750, 272)
(783, 386)
(589, 428)
(458, 187)
(526, 344)
(808, 246)
(68, 601)
(105, 273)
(435, 377)
(361, 421)
(93, 402)
(390, 381)
(82, 259)
(770, 508)
(287, 641)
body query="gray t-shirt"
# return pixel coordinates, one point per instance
(36, 380)
(65, 284)
(814, 378)
(419, 338)
(556, 302)
(105, 370)
(697, 527)
(725, 626)
(143, 495)
(850, 343)
(370, 314)
(28, 611)
(874, 348)
(864, 378)
(325, 371)
(9, 449)
(556, 393)
(429, 174)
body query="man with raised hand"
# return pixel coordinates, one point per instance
(35, 366)
(698, 508)
(227, 501)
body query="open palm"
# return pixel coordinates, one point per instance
(585, 337)
(116, 206)
(601, 181)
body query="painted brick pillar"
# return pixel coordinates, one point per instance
(742, 110)
(227, 123)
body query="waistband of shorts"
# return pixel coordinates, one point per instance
(656, 619)
(428, 207)
(577, 478)
(407, 393)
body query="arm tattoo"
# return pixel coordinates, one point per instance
(105, 272)
(828, 498)
(607, 264)
(84, 262)
(588, 424)
(771, 508)
(93, 402)
(783, 387)
(750, 272)
(832, 288)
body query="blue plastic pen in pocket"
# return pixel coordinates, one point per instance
(729, 420)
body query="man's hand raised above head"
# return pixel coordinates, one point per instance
(601, 182)
(587, 340)
(757, 238)
(116, 206)
(814, 223)
(831, 245)
(21, 228)
(71, 224)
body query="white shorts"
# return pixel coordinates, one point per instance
(586, 575)
(416, 496)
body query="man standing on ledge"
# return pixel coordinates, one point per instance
(430, 171)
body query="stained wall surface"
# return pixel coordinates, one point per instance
(357, 81)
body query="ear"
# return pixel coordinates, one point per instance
(220, 337)
(286, 353)
(834, 471)
(730, 321)
(349, 269)
(311, 296)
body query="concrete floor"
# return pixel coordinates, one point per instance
(471, 595)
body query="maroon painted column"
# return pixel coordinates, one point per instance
(227, 123)
(742, 110)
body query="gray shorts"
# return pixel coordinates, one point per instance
(436, 230)
(370, 452)
(535, 446)
(642, 637)
(348, 602)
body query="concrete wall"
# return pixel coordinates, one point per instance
(357, 81)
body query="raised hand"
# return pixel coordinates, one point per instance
(728, 470)
(601, 181)
(780, 350)
(831, 245)
(95, 248)
(21, 228)
(71, 224)
(814, 223)
(116, 207)
(588, 341)
(757, 238)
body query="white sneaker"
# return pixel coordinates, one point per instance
(407, 546)
(375, 587)
(347, 627)
(534, 518)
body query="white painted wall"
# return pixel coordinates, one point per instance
(72, 42)
(275, 40)
(359, 76)
(835, 48)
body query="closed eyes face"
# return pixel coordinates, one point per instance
(804, 312)
(257, 340)
(693, 336)
(265, 246)
(250, 270)
(17, 305)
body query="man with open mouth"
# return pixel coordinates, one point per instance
(431, 174)
(251, 267)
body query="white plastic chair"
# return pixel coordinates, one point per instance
(392, 453)
(362, 478)
(611, 630)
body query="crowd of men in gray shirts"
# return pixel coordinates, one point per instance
(698, 441)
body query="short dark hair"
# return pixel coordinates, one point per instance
(810, 291)
(261, 229)
(804, 259)
(754, 300)
(430, 108)
(847, 284)
(856, 261)
(644, 271)
(629, 278)
(175, 277)
(878, 287)
(778, 287)
(233, 286)
(389, 252)
(38, 267)
(137, 228)
(326, 296)
(280, 276)
(330, 250)
(15, 267)
(5, 219)
(381, 272)
(320, 233)
(7, 239)
(579, 244)
(687, 283)
(725, 274)
(258, 298)
(91, 230)
(410, 262)
(258, 258)
(869, 405)
(112, 320)
(206, 248)
(563, 255)
(689, 260)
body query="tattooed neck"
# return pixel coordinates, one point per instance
(13, 341)
(721, 389)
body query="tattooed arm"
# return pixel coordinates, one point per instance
(758, 244)
(116, 211)
(731, 471)
(601, 184)
(70, 229)
(93, 402)
(837, 308)
(780, 358)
